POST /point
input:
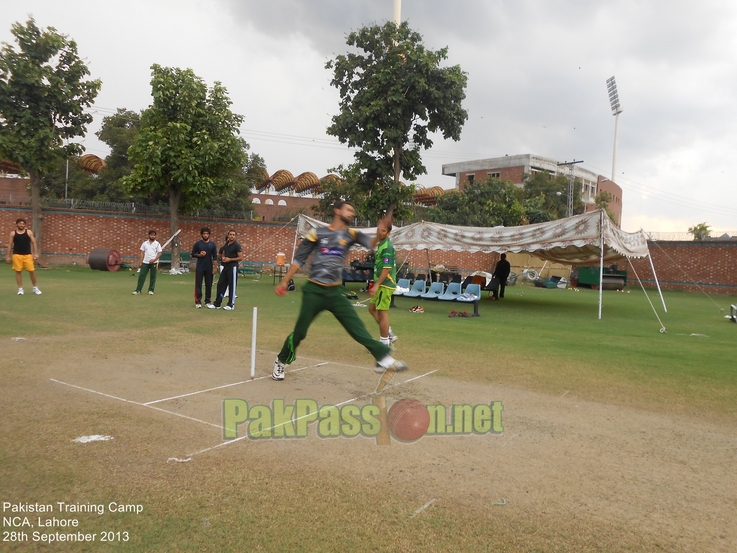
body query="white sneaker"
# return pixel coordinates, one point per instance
(198, 306)
(228, 308)
(211, 306)
(398, 366)
(36, 291)
(278, 372)
(20, 291)
(150, 293)
(136, 293)
(393, 337)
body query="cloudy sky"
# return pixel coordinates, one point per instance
(537, 74)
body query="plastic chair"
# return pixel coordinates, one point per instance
(418, 288)
(436, 290)
(466, 282)
(471, 289)
(453, 291)
(401, 283)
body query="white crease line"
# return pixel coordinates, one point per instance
(425, 506)
(190, 455)
(137, 403)
(225, 386)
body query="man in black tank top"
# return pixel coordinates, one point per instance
(22, 251)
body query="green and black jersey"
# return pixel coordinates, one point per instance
(386, 258)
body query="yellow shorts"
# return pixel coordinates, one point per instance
(383, 298)
(21, 262)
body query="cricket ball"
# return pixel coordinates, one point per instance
(408, 420)
(280, 292)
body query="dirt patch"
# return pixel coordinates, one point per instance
(640, 480)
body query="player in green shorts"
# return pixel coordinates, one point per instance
(328, 247)
(385, 282)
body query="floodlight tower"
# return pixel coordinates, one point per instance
(398, 12)
(611, 86)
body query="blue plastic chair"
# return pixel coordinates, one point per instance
(453, 291)
(401, 283)
(474, 289)
(436, 290)
(418, 288)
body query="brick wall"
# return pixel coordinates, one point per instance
(693, 266)
(70, 236)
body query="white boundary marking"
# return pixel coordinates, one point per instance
(136, 403)
(226, 386)
(221, 444)
(425, 506)
(219, 427)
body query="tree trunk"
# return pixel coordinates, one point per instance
(397, 167)
(175, 196)
(37, 220)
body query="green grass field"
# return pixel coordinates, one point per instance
(280, 496)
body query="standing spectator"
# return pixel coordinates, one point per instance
(24, 252)
(231, 255)
(502, 273)
(206, 253)
(150, 253)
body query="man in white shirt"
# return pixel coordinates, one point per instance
(150, 253)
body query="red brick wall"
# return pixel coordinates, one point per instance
(14, 191)
(692, 266)
(70, 236)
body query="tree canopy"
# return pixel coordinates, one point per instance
(188, 146)
(44, 91)
(394, 93)
(480, 204)
(700, 231)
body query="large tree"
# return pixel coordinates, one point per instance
(44, 91)
(188, 146)
(394, 93)
(486, 204)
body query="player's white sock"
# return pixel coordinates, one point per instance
(385, 340)
(387, 361)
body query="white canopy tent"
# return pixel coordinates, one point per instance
(586, 239)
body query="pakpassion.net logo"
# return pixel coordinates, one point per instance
(407, 420)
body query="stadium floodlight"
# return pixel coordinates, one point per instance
(611, 86)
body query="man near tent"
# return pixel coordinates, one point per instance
(22, 251)
(385, 282)
(150, 253)
(328, 247)
(231, 255)
(502, 273)
(206, 253)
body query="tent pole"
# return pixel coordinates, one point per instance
(601, 259)
(656, 282)
(294, 246)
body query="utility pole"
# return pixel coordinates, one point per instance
(398, 12)
(571, 180)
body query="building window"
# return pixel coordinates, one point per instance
(494, 175)
(470, 178)
(256, 201)
(269, 202)
(282, 202)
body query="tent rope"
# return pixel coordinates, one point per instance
(688, 276)
(663, 330)
(261, 245)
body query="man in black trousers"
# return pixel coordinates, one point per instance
(206, 253)
(502, 273)
(231, 255)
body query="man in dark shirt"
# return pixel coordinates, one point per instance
(502, 273)
(22, 251)
(206, 253)
(231, 255)
(328, 247)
